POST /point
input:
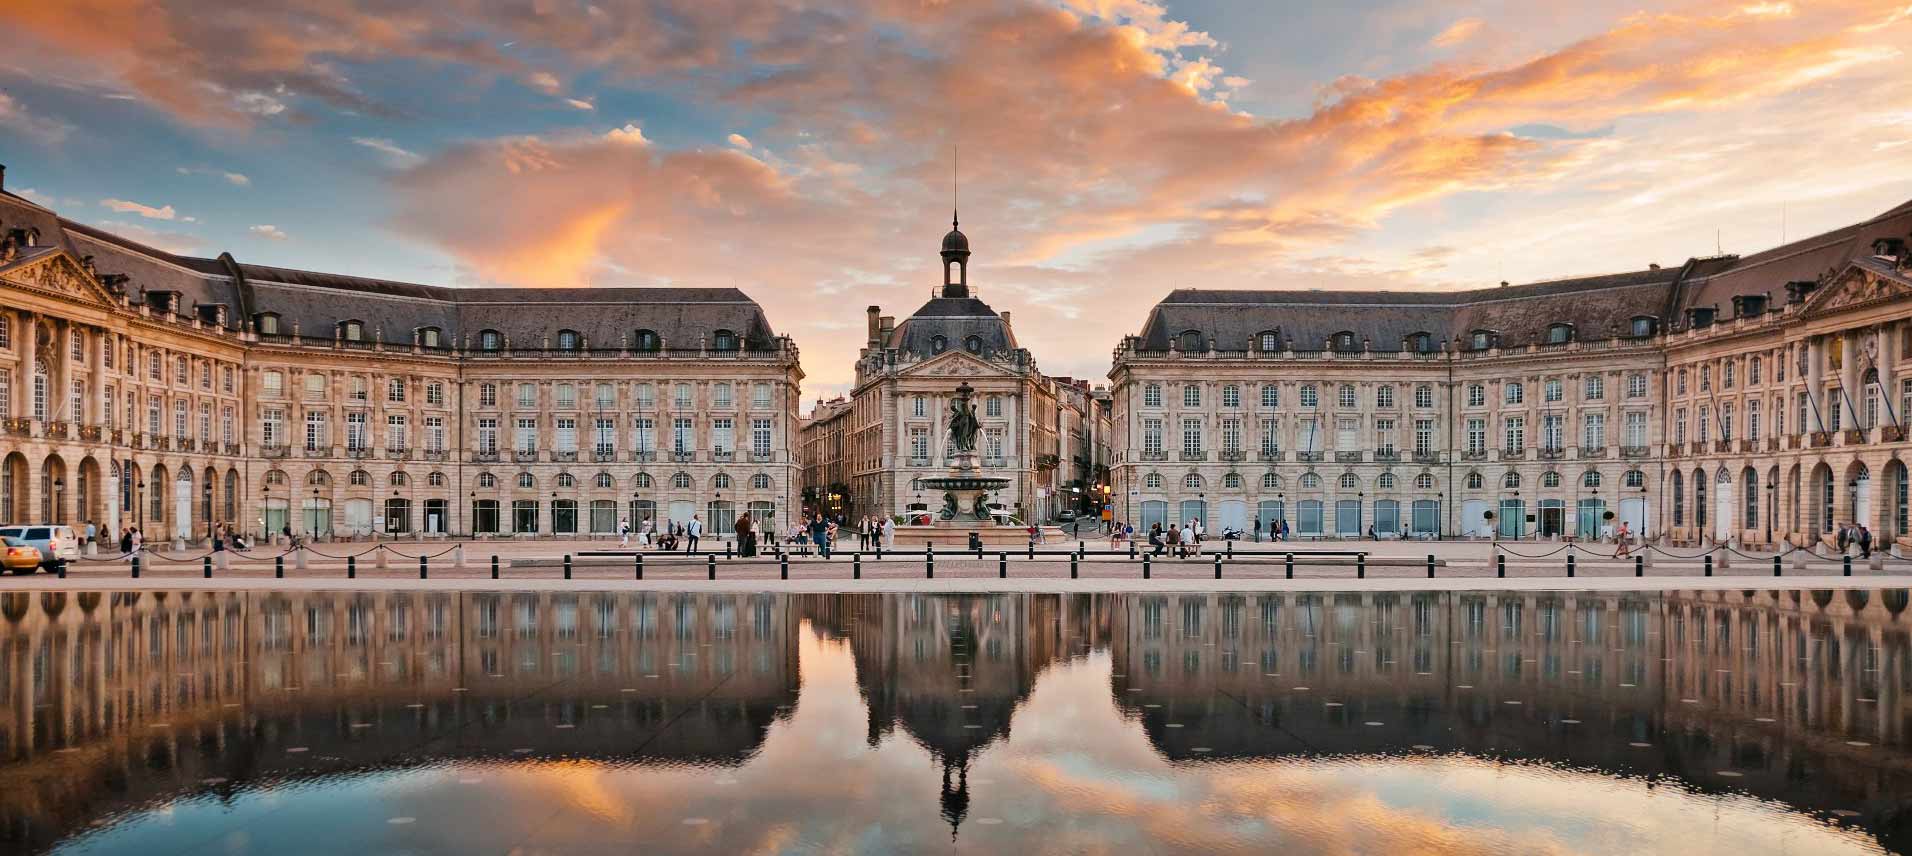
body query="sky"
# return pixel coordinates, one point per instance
(1110, 150)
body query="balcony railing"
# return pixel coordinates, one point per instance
(1347, 457)
(1821, 439)
(1427, 457)
(919, 462)
(568, 456)
(275, 451)
(1772, 444)
(18, 427)
(1674, 450)
(1854, 436)
(117, 437)
(1186, 455)
(1270, 455)
(1474, 455)
(397, 454)
(603, 455)
(524, 455)
(723, 456)
(1722, 446)
(90, 433)
(996, 462)
(683, 457)
(485, 456)
(232, 449)
(1386, 456)
(57, 430)
(1891, 433)
(1513, 454)
(761, 457)
(1158, 455)
(644, 456)
(1310, 457)
(1545, 453)
(318, 451)
(1232, 455)
(358, 452)
(1632, 451)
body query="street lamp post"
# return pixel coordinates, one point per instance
(139, 507)
(315, 514)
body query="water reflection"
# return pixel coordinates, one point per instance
(1763, 721)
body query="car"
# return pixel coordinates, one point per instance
(1065, 516)
(57, 544)
(18, 556)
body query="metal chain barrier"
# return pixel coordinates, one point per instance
(1497, 546)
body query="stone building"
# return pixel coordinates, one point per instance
(1763, 382)
(894, 426)
(176, 393)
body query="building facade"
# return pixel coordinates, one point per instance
(178, 394)
(1750, 399)
(871, 449)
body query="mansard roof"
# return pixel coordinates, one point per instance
(955, 319)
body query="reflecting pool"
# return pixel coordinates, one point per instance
(1744, 722)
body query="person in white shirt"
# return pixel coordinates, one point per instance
(1191, 542)
(889, 533)
(691, 533)
(644, 534)
(623, 534)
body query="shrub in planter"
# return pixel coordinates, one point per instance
(1606, 515)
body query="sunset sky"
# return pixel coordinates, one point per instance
(1111, 150)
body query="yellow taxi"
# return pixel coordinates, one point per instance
(19, 556)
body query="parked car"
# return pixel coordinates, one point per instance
(1065, 516)
(19, 556)
(57, 544)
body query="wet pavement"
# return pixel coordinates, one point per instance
(394, 721)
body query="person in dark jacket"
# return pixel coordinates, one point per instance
(1865, 542)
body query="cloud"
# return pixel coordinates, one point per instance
(580, 103)
(14, 116)
(630, 135)
(1457, 32)
(172, 242)
(740, 141)
(124, 207)
(267, 231)
(233, 178)
(395, 155)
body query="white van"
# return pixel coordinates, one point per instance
(57, 544)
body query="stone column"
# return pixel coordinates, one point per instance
(1851, 393)
(1815, 384)
(23, 384)
(62, 380)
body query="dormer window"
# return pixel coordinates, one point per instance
(1270, 341)
(430, 337)
(1559, 334)
(162, 302)
(1644, 326)
(1342, 341)
(645, 340)
(1748, 305)
(1192, 340)
(724, 340)
(491, 340)
(352, 331)
(211, 313)
(1421, 343)
(938, 344)
(567, 340)
(1699, 317)
(974, 344)
(1480, 340)
(267, 323)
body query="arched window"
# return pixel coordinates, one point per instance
(760, 481)
(1591, 479)
(973, 344)
(680, 480)
(527, 480)
(1152, 481)
(1192, 340)
(358, 478)
(487, 480)
(1474, 481)
(603, 480)
(267, 323)
(1349, 481)
(1421, 343)
(1424, 482)
(1192, 481)
(938, 344)
(1231, 480)
(565, 480)
(1511, 481)
(1550, 479)
(568, 340)
(645, 340)
(720, 481)
(1559, 334)
(1270, 340)
(318, 478)
(430, 337)
(491, 340)
(1480, 340)
(1644, 325)
(724, 340)
(435, 479)
(1343, 341)
(397, 480)
(1310, 481)
(1272, 481)
(352, 331)
(642, 480)
(1634, 479)
(1384, 481)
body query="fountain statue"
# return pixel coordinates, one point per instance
(963, 427)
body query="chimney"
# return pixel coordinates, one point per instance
(1005, 317)
(874, 325)
(1503, 283)
(3, 176)
(886, 325)
(1653, 266)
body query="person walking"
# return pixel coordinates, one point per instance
(1284, 529)
(692, 531)
(126, 539)
(647, 534)
(623, 534)
(92, 533)
(1865, 542)
(138, 541)
(746, 538)
(1201, 529)
(889, 532)
(1622, 538)
(1192, 539)
(820, 535)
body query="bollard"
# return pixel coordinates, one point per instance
(1639, 566)
(1290, 563)
(1500, 564)
(1709, 564)
(1079, 548)
(351, 567)
(1032, 551)
(1002, 566)
(135, 567)
(1570, 566)
(1231, 549)
(1145, 567)
(710, 565)
(1131, 549)
(494, 566)
(1848, 566)
(1218, 567)
(567, 565)
(63, 571)
(783, 566)
(1072, 567)
(1360, 566)
(207, 564)
(1776, 566)
(1430, 566)
(879, 552)
(726, 550)
(929, 564)
(856, 567)
(422, 568)
(278, 567)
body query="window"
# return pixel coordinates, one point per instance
(1479, 340)
(1152, 481)
(487, 395)
(1424, 396)
(435, 479)
(567, 396)
(1191, 340)
(1559, 334)
(567, 434)
(973, 344)
(357, 389)
(1423, 436)
(1231, 395)
(1476, 436)
(1421, 343)
(1384, 481)
(1727, 373)
(1636, 386)
(397, 480)
(1424, 482)
(1270, 438)
(1343, 342)
(179, 413)
(1384, 396)
(566, 480)
(645, 395)
(1474, 481)
(1345, 396)
(1152, 395)
(992, 406)
(1552, 390)
(1349, 481)
(1270, 395)
(1191, 436)
(938, 344)
(724, 340)
(355, 431)
(1512, 480)
(1192, 481)
(435, 393)
(760, 481)
(1514, 435)
(1753, 370)
(1271, 481)
(760, 396)
(1151, 436)
(1550, 479)
(1634, 479)
(1643, 326)
(682, 440)
(152, 365)
(1514, 393)
(919, 443)
(1700, 427)
(435, 434)
(1752, 421)
(1679, 426)
(526, 438)
(1270, 341)
(646, 341)
(527, 480)
(317, 433)
(487, 480)
(395, 390)
(720, 395)
(604, 440)
(1594, 387)
(1726, 422)
(919, 406)
(1191, 395)
(723, 434)
(1231, 435)
(1310, 481)
(488, 436)
(1593, 430)
(568, 340)
(6, 333)
(527, 396)
(760, 437)
(1551, 432)
(1476, 395)
(272, 428)
(353, 331)
(1591, 479)
(491, 340)
(1309, 396)
(643, 434)
(268, 324)
(181, 373)
(152, 415)
(1347, 435)
(1384, 437)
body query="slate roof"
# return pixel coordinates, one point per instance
(955, 319)
(317, 301)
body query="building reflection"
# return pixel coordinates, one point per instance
(117, 701)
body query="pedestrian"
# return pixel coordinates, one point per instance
(284, 531)
(1622, 538)
(1201, 530)
(1192, 539)
(218, 541)
(648, 533)
(1155, 539)
(1371, 535)
(1865, 542)
(820, 535)
(889, 532)
(138, 542)
(91, 533)
(1173, 539)
(623, 534)
(1284, 529)
(746, 539)
(692, 530)
(126, 539)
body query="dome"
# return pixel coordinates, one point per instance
(955, 241)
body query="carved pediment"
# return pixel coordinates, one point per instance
(955, 364)
(1856, 286)
(57, 273)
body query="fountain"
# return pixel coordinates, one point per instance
(966, 516)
